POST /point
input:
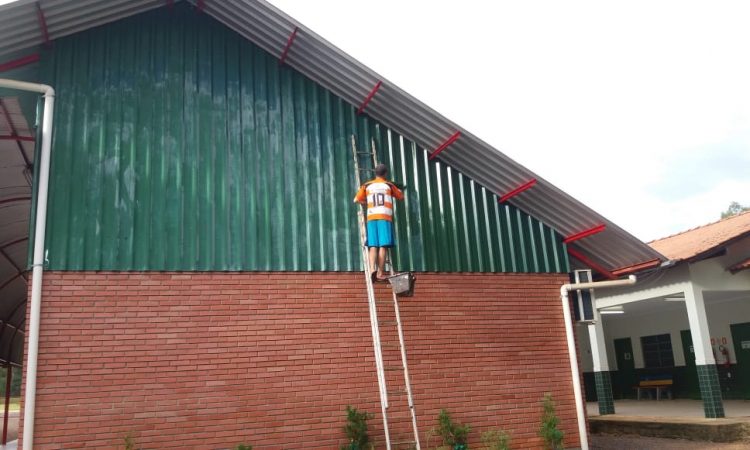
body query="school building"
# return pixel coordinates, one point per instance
(181, 259)
(684, 326)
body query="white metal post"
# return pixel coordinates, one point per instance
(570, 337)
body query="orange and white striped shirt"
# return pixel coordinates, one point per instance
(379, 194)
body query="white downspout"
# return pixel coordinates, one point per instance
(564, 289)
(38, 261)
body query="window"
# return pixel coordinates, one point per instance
(657, 351)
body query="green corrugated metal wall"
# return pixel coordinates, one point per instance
(181, 146)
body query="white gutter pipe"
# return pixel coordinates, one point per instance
(564, 289)
(38, 261)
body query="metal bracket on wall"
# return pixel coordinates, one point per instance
(42, 24)
(445, 144)
(584, 259)
(585, 233)
(20, 62)
(369, 97)
(288, 46)
(518, 190)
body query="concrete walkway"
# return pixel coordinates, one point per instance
(9, 446)
(674, 419)
(671, 408)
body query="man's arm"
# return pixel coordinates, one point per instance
(397, 193)
(361, 196)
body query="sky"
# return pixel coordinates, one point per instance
(640, 110)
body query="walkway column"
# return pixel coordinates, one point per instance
(708, 376)
(601, 366)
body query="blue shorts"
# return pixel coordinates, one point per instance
(380, 233)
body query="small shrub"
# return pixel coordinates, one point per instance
(356, 430)
(455, 435)
(553, 437)
(496, 440)
(243, 447)
(129, 442)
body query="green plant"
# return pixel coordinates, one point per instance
(496, 440)
(243, 447)
(129, 442)
(453, 434)
(553, 437)
(356, 429)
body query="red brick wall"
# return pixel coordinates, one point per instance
(213, 360)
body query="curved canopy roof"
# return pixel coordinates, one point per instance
(16, 158)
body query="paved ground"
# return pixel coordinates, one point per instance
(680, 409)
(608, 442)
(12, 427)
(673, 408)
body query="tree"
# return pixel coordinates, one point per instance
(734, 209)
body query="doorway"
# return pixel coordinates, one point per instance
(741, 338)
(625, 378)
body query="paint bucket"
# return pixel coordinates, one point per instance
(403, 284)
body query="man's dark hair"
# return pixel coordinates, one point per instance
(381, 170)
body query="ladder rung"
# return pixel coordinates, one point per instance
(391, 323)
(403, 442)
(397, 392)
(393, 368)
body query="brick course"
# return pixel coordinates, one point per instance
(210, 360)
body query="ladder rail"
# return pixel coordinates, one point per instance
(407, 378)
(402, 344)
(372, 306)
(374, 323)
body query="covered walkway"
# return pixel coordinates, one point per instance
(672, 408)
(674, 419)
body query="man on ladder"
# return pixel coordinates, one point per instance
(379, 194)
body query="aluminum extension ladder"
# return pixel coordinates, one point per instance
(374, 322)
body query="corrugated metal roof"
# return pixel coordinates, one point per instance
(318, 59)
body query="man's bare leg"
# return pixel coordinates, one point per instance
(373, 259)
(381, 261)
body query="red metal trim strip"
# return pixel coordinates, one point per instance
(445, 144)
(585, 233)
(517, 190)
(12, 243)
(636, 267)
(369, 97)
(288, 45)
(580, 257)
(10, 137)
(30, 59)
(42, 23)
(13, 200)
(10, 260)
(14, 132)
(15, 277)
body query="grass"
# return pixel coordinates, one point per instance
(15, 404)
